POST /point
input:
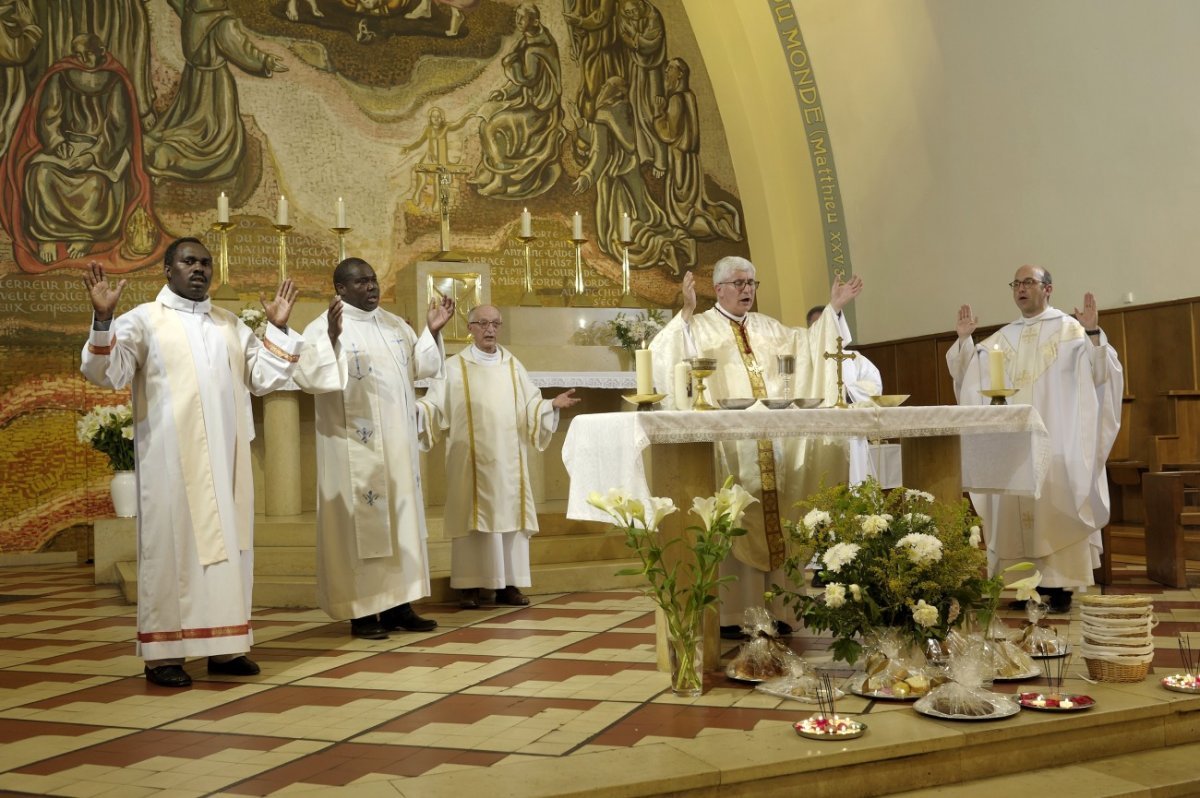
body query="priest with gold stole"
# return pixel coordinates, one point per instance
(778, 473)
(495, 416)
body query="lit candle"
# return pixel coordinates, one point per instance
(683, 376)
(223, 209)
(996, 368)
(645, 371)
(626, 229)
(281, 213)
(341, 212)
(577, 226)
(526, 224)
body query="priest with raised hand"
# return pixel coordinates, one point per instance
(372, 559)
(778, 473)
(1065, 367)
(193, 367)
(496, 417)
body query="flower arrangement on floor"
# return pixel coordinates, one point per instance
(631, 332)
(893, 559)
(683, 584)
(255, 319)
(109, 429)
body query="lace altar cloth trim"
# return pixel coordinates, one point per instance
(1005, 449)
(607, 380)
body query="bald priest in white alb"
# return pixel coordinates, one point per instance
(496, 416)
(778, 473)
(1065, 368)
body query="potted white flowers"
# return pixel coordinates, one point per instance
(682, 570)
(109, 430)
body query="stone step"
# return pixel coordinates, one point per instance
(1159, 772)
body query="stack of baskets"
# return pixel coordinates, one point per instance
(1117, 642)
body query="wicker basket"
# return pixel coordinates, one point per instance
(1103, 670)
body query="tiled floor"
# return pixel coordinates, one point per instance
(570, 675)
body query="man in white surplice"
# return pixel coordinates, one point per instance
(495, 414)
(372, 560)
(778, 473)
(1065, 368)
(193, 367)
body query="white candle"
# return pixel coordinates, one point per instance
(645, 372)
(626, 229)
(577, 226)
(996, 368)
(526, 224)
(223, 209)
(341, 212)
(281, 213)
(683, 377)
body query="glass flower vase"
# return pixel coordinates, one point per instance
(686, 655)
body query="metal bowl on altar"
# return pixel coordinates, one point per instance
(776, 404)
(807, 402)
(890, 400)
(735, 404)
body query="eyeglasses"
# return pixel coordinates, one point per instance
(741, 285)
(1028, 282)
(487, 325)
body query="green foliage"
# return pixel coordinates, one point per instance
(109, 430)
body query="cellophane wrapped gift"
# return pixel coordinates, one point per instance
(965, 696)
(1037, 638)
(764, 656)
(801, 683)
(895, 667)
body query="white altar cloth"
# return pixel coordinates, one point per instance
(605, 380)
(1005, 448)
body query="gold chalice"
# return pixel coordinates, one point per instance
(702, 367)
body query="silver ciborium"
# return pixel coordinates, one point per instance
(702, 367)
(787, 367)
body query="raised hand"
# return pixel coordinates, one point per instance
(566, 399)
(966, 322)
(844, 292)
(280, 308)
(1089, 317)
(440, 312)
(104, 296)
(689, 296)
(334, 317)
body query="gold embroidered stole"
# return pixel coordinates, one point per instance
(776, 549)
(192, 433)
(518, 410)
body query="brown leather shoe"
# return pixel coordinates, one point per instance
(168, 676)
(512, 596)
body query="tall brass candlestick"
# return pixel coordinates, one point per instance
(529, 299)
(579, 299)
(224, 290)
(628, 299)
(283, 234)
(341, 234)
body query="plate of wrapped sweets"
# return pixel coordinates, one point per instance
(966, 704)
(909, 688)
(1056, 702)
(821, 727)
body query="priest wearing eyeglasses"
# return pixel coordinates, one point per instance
(1064, 366)
(778, 473)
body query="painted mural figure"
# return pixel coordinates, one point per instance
(70, 176)
(522, 138)
(435, 137)
(424, 10)
(677, 124)
(19, 38)
(640, 26)
(201, 136)
(293, 11)
(614, 170)
(122, 25)
(595, 46)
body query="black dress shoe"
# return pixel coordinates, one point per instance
(732, 632)
(1060, 601)
(168, 676)
(238, 666)
(468, 598)
(511, 596)
(368, 628)
(405, 617)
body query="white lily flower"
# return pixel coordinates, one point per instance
(1027, 588)
(707, 509)
(659, 508)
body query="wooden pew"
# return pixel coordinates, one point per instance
(1172, 524)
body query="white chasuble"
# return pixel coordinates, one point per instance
(778, 473)
(371, 551)
(192, 367)
(1076, 387)
(495, 416)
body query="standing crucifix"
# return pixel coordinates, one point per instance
(444, 179)
(840, 356)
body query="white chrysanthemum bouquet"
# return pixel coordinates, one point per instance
(109, 430)
(632, 332)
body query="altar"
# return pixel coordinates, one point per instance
(946, 450)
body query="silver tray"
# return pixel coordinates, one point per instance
(858, 729)
(1005, 708)
(1019, 676)
(1168, 683)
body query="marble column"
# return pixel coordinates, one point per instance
(281, 465)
